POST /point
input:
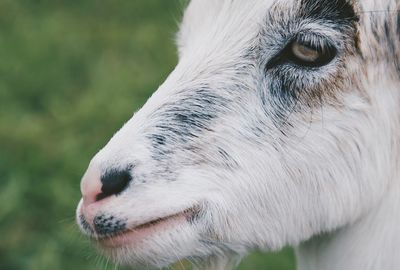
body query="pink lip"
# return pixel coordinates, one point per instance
(143, 231)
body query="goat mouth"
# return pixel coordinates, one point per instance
(137, 233)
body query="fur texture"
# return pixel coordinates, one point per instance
(266, 152)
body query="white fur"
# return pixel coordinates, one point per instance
(329, 186)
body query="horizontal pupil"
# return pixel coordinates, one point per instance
(311, 53)
(306, 53)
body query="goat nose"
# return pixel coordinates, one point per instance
(96, 186)
(114, 181)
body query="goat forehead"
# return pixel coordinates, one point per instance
(223, 29)
(222, 20)
(371, 5)
(226, 28)
(208, 6)
(234, 23)
(202, 12)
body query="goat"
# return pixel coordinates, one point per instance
(279, 126)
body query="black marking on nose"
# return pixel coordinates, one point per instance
(85, 225)
(106, 225)
(114, 182)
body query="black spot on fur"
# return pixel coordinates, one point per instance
(387, 33)
(338, 11)
(398, 23)
(397, 39)
(194, 217)
(227, 160)
(184, 121)
(389, 36)
(225, 156)
(157, 139)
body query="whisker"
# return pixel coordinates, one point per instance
(380, 11)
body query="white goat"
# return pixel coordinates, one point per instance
(279, 126)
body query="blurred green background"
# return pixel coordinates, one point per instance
(71, 73)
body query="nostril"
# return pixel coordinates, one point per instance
(114, 181)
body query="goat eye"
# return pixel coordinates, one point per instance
(305, 54)
(305, 51)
